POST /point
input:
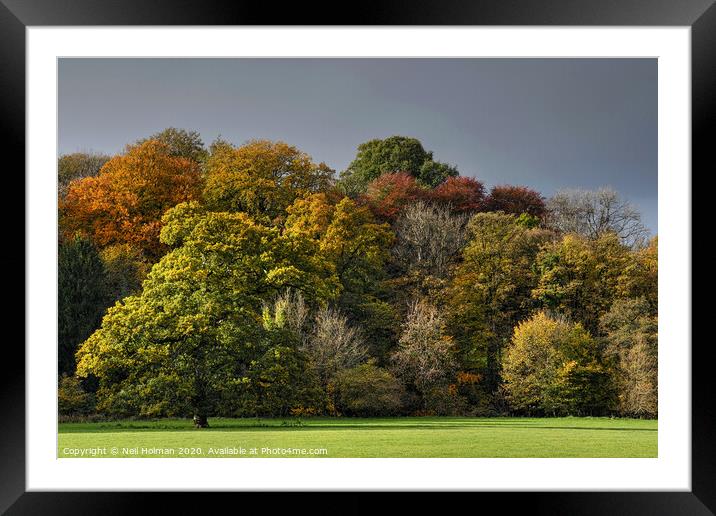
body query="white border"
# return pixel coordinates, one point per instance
(670, 471)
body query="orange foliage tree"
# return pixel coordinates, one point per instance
(124, 203)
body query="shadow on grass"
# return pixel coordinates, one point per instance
(343, 426)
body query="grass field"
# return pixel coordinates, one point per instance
(390, 437)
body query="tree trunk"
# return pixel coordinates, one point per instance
(200, 421)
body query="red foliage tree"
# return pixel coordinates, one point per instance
(517, 200)
(388, 194)
(463, 194)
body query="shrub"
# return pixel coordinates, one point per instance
(368, 390)
(72, 400)
(445, 401)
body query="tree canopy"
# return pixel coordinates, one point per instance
(242, 281)
(261, 178)
(125, 202)
(181, 143)
(77, 165)
(552, 367)
(389, 156)
(594, 213)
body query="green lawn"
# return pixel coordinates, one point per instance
(344, 437)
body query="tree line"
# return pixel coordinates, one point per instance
(250, 280)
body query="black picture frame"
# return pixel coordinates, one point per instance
(16, 15)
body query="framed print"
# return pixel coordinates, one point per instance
(412, 251)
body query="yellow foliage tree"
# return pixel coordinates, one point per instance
(261, 178)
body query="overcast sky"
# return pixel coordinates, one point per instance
(543, 123)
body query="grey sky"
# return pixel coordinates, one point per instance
(543, 123)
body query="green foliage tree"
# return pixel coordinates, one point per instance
(82, 297)
(72, 399)
(553, 367)
(280, 382)
(125, 268)
(391, 155)
(356, 244)
(77, 165)
(631, 334)
(189, 337)
(368, 391)
(359, 247)
(491, 290)
(181, 143)
(433, 173)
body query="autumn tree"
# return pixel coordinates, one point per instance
(581, 278)
(261, 178)
(77, 165)
(358, 246)
(461, 194)
(553, 367)
(81, 297)
(516, 200)
(310, 216)
(641, 275)
(390, 194)
(491, 290)
(393, 155)
(592, 213)
(429, 239)
(424, 358)
(189, 337)
(181, 143)
(290, 311)
(333, 345)
(125, 202)
(347, 233)
(631, 334)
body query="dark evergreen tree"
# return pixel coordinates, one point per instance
(82, 297)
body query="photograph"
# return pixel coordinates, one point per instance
(427, 248)
(357, 257)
